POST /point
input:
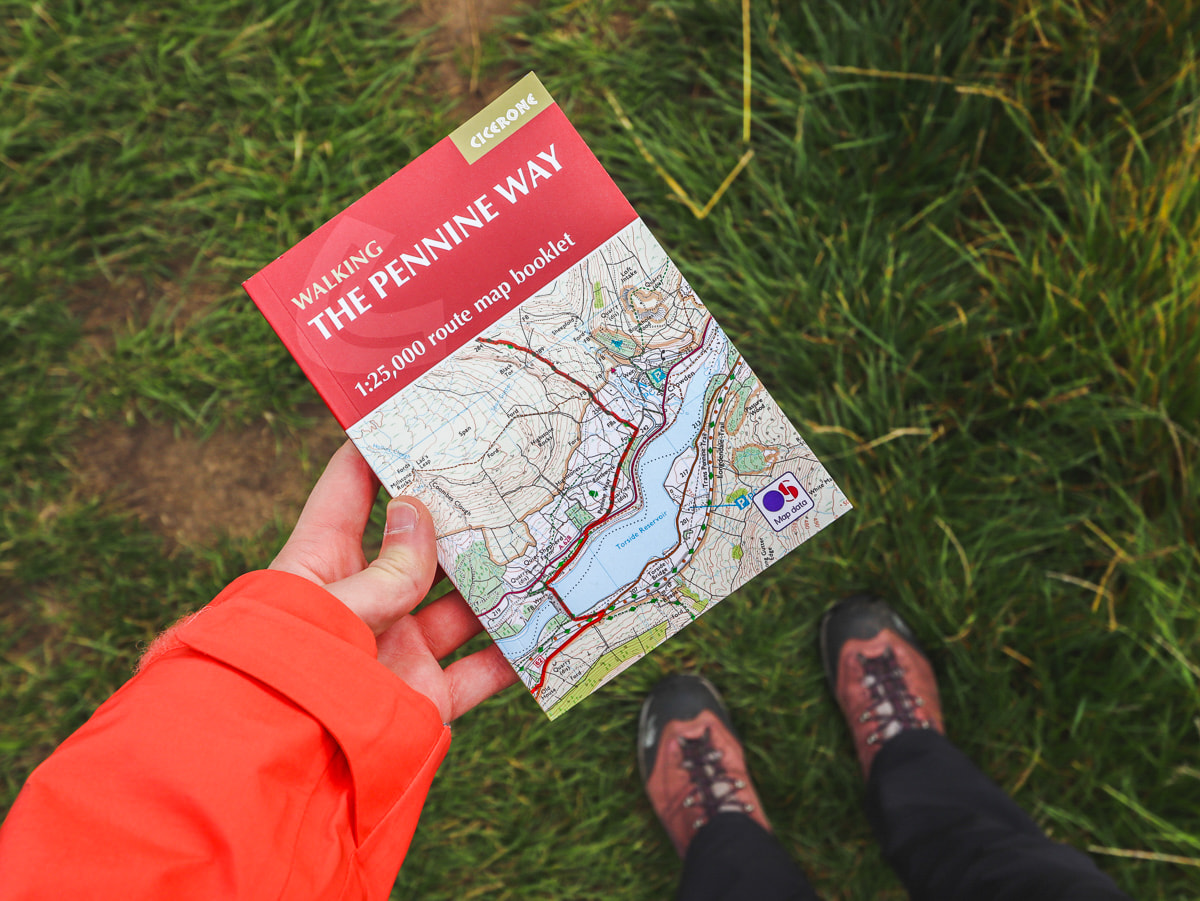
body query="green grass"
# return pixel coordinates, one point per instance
(964, 258)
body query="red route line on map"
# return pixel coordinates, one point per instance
(582, 541)
(612, 497)
(600, 616)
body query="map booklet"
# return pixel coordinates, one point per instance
(503, 338)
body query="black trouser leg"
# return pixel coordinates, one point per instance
(951, 833)
(733, 858)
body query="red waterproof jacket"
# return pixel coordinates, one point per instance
(260, 752)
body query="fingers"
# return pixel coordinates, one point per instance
(398, 579)
(445, 626)
(412, 648)
(434, 632)
(476, 678)
(326, 544)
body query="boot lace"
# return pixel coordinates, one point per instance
(713, 789)
(893, 707)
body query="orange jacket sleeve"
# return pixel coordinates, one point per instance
(260, 752)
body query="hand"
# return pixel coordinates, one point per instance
(326, 548)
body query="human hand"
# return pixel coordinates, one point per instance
(326, 548)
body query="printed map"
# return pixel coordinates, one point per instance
(602, 466)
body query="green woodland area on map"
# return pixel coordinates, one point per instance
(962, 256)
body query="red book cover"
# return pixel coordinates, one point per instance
(502, 337)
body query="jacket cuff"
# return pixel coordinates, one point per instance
(298, 639)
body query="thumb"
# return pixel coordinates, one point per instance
(400, 577)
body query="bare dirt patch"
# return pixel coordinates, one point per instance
(107, 308)
(184, 487)
(189, 489)
(462, 26)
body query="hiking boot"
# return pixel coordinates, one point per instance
(881, 678)
(690, 759)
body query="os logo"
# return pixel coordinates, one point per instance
(782, 501)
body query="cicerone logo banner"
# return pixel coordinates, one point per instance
(783, 501)
(501, 118)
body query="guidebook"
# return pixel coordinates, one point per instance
(503, 338)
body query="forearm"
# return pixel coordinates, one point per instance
(261, 751)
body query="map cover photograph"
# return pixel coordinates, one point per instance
(502, 337)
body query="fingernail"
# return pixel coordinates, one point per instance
(401, 517)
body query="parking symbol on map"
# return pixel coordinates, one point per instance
(783, 501)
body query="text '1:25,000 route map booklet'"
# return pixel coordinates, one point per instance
(502, 337)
